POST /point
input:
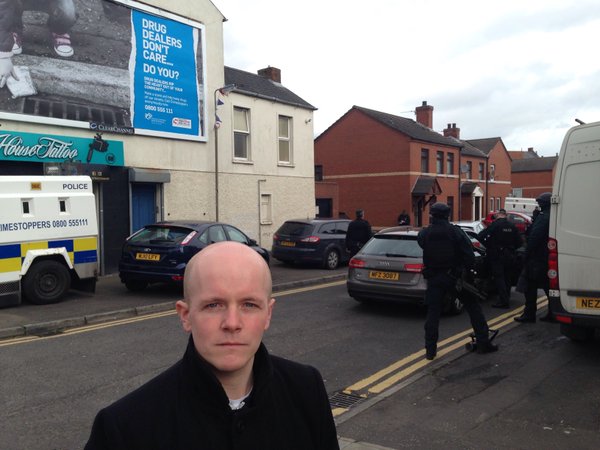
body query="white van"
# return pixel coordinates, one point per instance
(574, 244)
(48, 237)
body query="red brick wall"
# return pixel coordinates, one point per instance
(329, 190)
(533, 183)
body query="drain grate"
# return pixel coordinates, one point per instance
(343, 400)
(73, 110)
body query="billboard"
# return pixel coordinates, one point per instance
(121, 66)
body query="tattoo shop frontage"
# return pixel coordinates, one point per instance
(24, 153)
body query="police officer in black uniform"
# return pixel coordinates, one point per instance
(359, 232)
(536, 261)
(447, 251)
(501, 240)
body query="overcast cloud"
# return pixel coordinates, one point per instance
(522, 70)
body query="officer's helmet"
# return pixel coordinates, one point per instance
(440, 210)
(544, 199)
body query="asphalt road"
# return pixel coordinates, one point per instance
(538, 391)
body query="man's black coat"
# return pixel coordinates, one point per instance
(186, 408)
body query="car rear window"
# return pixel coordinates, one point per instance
(161, 235)
(295, 229)
(393, 245)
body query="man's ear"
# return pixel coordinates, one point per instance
(270, 312)
(183, 311)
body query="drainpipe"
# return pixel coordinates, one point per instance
(487, 180)
(459, 177)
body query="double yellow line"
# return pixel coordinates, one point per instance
(402, 369)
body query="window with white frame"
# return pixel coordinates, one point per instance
(498, 203)
(241, 133)
(285, 139)
(469, 170)
(439, 162)
(491, 203)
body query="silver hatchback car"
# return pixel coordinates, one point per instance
(389, 267)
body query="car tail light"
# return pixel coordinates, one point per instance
(188, 238)
(311, 239)
(476, 244)
(177, 277)
(356, 263)
(553, 264)
(415, 268)
(275, 237)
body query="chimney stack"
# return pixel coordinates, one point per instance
(425, 114)
(272, 73)
(452, 131)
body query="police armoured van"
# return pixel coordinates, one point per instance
(48, 237)
(520, 204)
(574, 244)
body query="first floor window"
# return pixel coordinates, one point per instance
(241, 133)
(450, 164)
(285, 139)
(424, 160)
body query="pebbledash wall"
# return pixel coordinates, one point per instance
(154, 174)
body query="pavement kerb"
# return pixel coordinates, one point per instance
(57, 326)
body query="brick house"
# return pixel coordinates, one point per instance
(498, 180)
(385, 164)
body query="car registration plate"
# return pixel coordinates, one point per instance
(393, 276)
(588, 303)
(147, 256)
(287, 244)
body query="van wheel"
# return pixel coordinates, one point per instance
(46, 282)
(575, 333)
(135, 286)
(332, 259)
(453, 306)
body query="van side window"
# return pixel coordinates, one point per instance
(25, 203)
(62, 205)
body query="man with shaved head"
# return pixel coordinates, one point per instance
(227, 392)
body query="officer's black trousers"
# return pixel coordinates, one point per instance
(438, 285)
(531, 296)
(501, 268)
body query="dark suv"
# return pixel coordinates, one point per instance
(321, 241)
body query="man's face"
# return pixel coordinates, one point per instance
(228, 310)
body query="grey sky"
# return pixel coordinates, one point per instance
(522, 70)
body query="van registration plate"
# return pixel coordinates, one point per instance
(392, 276)
(588, 303)
(147, 256)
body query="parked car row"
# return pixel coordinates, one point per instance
(388, 267)
(159, 253)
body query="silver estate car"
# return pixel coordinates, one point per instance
(389, 267)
